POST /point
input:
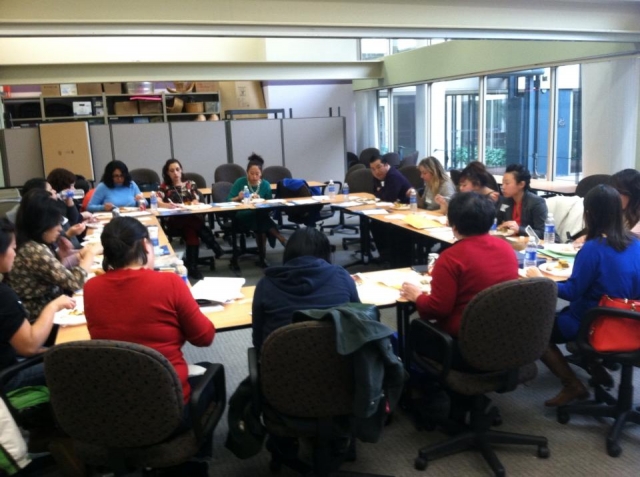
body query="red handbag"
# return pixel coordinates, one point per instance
(609, 334)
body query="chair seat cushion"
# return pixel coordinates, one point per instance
(471, 384)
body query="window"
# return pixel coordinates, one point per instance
(384, 113)
(454, 126)
(568, 125)
(372, 48)
(517, 120)
(404, 120)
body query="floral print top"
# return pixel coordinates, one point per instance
(184, 194)
(38, 277)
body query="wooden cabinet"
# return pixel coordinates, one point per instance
(109, 108)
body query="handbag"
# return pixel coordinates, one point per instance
(613, 334)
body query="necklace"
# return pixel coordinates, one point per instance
(251, 189)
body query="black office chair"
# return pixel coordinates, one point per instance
(228, 173)
(589, 182)
(195, 177)
(412, 173)
(274, 174)
(122, 404)
(455, 176)
(409, 159)
(367, 154)
(146, 179)
(502, 343)
(359, 180)
(620, 408)
(393, 159)
(308, 215)
(352, 159)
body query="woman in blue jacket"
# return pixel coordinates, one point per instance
(306, 280)
(116, 189)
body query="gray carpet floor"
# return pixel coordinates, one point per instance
(577, 448)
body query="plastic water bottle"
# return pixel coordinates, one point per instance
(345, 191)
(153, 201)
(413, 201)
(182, 271)
(549, 229)
(530, 254)
(494, 227)
(75, 194)
(246, 195)
(331, 190)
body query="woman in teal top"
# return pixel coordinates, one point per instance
(116, 189)
(258, 221)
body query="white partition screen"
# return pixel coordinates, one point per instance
(200, 146)
(262, 136)
(141, 145)
(314, 148)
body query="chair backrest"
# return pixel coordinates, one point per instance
(360, 180)
(146, 179)
(367, 154)
(410, 159)
(393, 159)
(220, 191)
(200, 181)
(509, 324)
(273, 174)
(113, 393)
(354, 167)
(302, 374)
(6, 205)
(412, 173)
(352, 159)
(589, 182)
(228, 173)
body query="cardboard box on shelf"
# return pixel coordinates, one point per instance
(88, 89)
(150, 107)
(50, 89)
(82, 108)
(112, 88)
(242, 95)
(207, 87)
(68, 89)
(126, 107)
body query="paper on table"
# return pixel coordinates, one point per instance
(376, 294)
(395, 217)
(71, 317)
(195, 370)
(211, 309)
(374, 212)
(421, 221)
(350, 203)
(136, 213)
(320, 197)
(226, 204)
(303, 201)
(197, 206)
(218, 289)
(385, 204)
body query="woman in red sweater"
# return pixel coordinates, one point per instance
(475, 262)
(132, 302)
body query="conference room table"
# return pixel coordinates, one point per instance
(550, 187)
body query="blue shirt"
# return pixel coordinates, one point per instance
(598, 270)
(120, 196)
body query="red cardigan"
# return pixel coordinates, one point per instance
(154, 309)
(464, 269)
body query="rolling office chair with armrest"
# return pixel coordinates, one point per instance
(412, 173)
(589, 182)
(367, 154)
(304, 387)
(620, 408)
(393, 159)
(274, 174)
(122, 404)
(146, 179)
(359, 180)
(504, 330)
(228, 173)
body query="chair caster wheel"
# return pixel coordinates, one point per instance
(613, 449)
(420, 463)
(543, 452)
(563, 417)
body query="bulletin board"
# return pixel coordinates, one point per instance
(67, 145)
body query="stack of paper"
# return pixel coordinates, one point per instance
(421, 221)
(222, 290)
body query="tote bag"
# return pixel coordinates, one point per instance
(609, 334)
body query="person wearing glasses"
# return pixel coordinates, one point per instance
(116, 189)
(38, 276)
